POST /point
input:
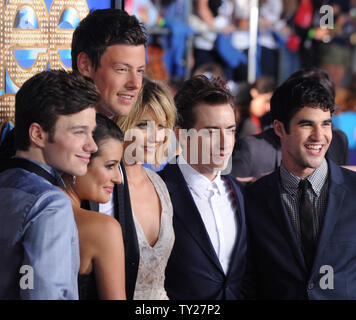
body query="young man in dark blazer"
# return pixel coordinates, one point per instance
(208, 257)
(301, 218)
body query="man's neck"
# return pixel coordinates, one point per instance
(32, 154)
(206, 171)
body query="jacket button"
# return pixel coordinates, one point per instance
(311, 286)
(133, 264)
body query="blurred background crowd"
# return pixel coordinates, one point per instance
(215, 38)
(212, 37)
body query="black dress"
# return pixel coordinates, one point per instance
(87, 287)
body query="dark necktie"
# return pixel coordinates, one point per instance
(306, 225)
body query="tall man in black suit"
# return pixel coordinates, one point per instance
(301, 218)
(208, 257)
(108, 46)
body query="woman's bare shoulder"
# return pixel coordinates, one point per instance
(96, 227)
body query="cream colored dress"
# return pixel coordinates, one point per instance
(153, 260)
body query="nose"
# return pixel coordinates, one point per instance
(226, 139)
(90, 145)
(151, 132)
(134, 81)
(317, 133)
(117, 177)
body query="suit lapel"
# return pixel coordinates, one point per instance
(187, 212)
(282, 219)
(336, 197)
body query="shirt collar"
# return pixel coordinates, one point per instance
(49, 169)
(317, 179)
(198, 182)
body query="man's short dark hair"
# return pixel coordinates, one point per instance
(297, 93)
(195, 91)
(321, 74)
(103, 28)
(46, 96)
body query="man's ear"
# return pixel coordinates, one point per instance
(84, 65)
(253, 93)
(278, 127)
(37, 135)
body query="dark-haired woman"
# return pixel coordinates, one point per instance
(102, 261)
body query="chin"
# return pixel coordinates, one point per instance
(101, 199)
(77, 172)
(121, 110)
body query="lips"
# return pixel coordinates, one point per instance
(109, 189)
(314, 148)
(150, 148)
(126, 98)
(86, 159)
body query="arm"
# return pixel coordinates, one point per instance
(353, 168)
(51, 249)
(109, 261)
(205, 13)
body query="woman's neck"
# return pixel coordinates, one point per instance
(135, 173)
(69, 190)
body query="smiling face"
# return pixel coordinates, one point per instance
(69, 148)
(304, 148)
(103, 173)
(143, 141)
(119, 78)
(210, 150)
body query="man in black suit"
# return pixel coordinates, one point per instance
(301, 218)
(108, 46)
(208, 258)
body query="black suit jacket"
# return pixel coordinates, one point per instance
(276, 267)
(123, 213)
(257, 154)
(193, 271)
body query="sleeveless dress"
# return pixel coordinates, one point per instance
(153, 260)
(87, 286)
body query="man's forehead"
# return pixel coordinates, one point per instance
(84, 118)
(126, 54)
(214, 114)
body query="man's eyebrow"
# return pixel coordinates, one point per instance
(127, 65)
(305, 121)
(79, 127)
(213, 127)
(327, 121)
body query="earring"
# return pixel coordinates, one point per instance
(74, 179)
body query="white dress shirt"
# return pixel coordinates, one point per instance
(216, 207)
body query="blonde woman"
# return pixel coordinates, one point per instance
(146, 131)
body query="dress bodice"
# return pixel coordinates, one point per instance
(153, 259)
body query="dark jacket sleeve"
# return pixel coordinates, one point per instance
(241, 159)
(339, 148)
